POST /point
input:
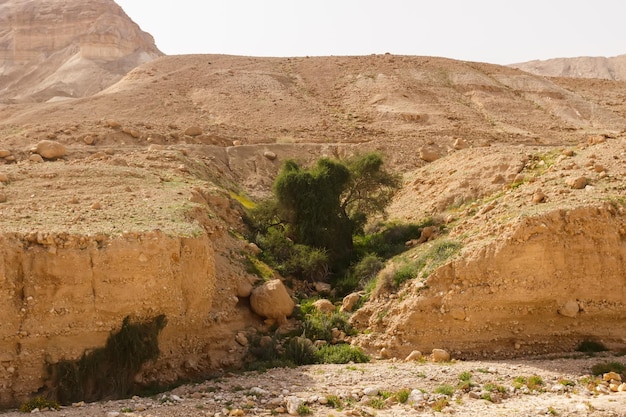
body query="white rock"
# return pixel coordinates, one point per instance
(258, 391)
(293, 403)
(370, 392)
(414, 356)
(271, 300)
(416, 396)
(349, 301)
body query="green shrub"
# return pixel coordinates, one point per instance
(590, 346)
(429, 260)
(303, 410)
(40, 403)
(318, 326)
(603, 368)
(341, 354)
(334, 401)
(300, 351)
(403, 395)
(377, 403)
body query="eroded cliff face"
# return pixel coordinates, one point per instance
(548, 283)
(72, 48)
(64, 295)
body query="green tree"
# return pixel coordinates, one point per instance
(325, 206)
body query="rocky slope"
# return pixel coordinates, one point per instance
(156, 163)
(52, 49)
(613, 68)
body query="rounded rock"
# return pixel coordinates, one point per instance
(271, 300)
(50, 149)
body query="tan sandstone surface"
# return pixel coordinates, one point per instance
(139, 213)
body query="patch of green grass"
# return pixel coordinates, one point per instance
(465, 376)
(303, 410)
(259, 268)
(403, 395)
(334, 401)
(243, 200)
(445, 389)
(377, 403)
(40, 403)
(430, 259)
(439, 404)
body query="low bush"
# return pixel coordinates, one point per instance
(603, 368)
(39, 403)
(590, 346)
(341, 354)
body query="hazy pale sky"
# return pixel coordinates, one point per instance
(496, 31)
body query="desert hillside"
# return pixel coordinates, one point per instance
(613, 68)
(51, 50)
(129, 203)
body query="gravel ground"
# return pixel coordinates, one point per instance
(495, 389)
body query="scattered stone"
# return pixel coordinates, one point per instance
(440, 355)
(4, 153)
(350, 301)
(370, 392)
(89, 140)
(253, 247)
(193, 131)
(384, 353)
(322, 287)
(271, 300)
(4, 177)
(50, 149)
(236, 412)
(96, 206)
(415, 397)
(270, 155)
(241, 339)
(539, 197)
(113, 414)
(599, 168)
(568, 152)
(414, 356)
(428, 233)
(460, 143)
(458, 313)
(569, 309)
(259, 391)
(324, 306)
(78, 404)
(244, 288)
(293, 403)
(611, 376)
(577, 183)
(113, 124)
(622, 387)
(3, 197)
(429, 154)
(35, 158)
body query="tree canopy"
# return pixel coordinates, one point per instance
(324, 206)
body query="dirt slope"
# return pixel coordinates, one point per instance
(613, 68)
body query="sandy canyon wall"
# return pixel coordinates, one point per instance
(63, 294)
(549, 283)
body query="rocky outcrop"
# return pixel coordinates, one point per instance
(64, 295)
(549, 283)
(74, 48)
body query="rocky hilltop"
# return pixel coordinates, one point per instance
(613, 68)
(129, 204)
(52, 49)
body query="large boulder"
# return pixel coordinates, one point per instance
(50, 149)
(271, 300)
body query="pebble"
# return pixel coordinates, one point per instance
(370, 392)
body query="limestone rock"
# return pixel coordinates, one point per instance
(3, 197)
(440, 355)
(50, 149)
(569, 309)
(241, 339)
(4, 177)
(35, 158)
(322, 287)
(64, 49)
(414, 356)
(270, 155)
(460, 143)
(578, 183)
(4, 153)
(539, 197)
(271, 300)
(193, 131)
(349, 301)
(324, 306)
(293, 403)
(429, 154)
(611, 376)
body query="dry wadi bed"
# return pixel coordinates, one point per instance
(564, 391)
